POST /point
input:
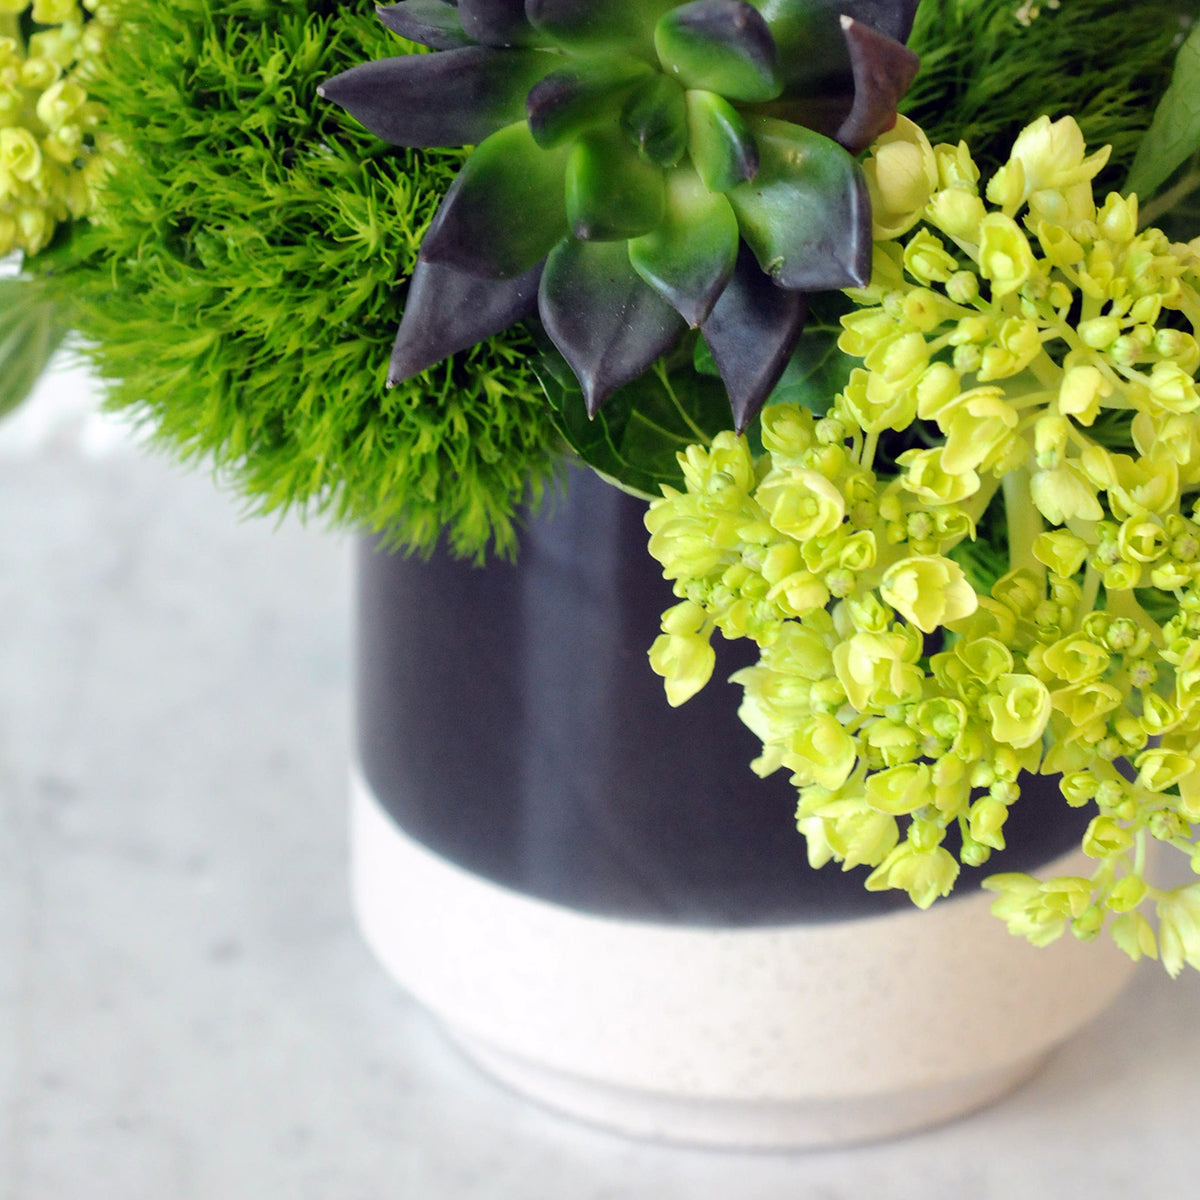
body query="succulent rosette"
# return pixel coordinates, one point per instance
(640, 167)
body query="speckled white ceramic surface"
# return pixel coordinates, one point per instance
(803, 1034)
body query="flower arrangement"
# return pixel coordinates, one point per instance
(912, 398)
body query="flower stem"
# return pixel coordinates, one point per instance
(1024, 522)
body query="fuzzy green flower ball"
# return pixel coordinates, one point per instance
(238, 281)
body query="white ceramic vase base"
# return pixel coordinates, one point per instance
(802, 1035)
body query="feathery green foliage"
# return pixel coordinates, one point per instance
(238, 284)
(984, 75)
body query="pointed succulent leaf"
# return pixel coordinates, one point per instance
(449, 310)
(607, 323)
(585, 93)
(723, 46)
(505, 210)
(752, 331)
(883, 71)
(807, 215)
(495, 22)
(812, 53)
(453, 98)
(891, 17)
(689, 258)
(655, 120)
(430, 23)
(612, 192)
(720, 144)
(598, 23)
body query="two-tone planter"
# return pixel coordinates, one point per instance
(608, 910)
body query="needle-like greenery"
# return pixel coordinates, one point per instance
(239, 283)
(985, 75)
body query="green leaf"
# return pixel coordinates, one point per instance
(806, 215)
(633, 441)
(817, 370)
(30, 332)
(1174, 133)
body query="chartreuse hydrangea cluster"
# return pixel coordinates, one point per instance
(1025, 351)
(643, 166)
(50, 152)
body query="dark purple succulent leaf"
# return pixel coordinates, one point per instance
(891, 17)
(448, 310)
(607, 323)
(585, 93)
(597, 23)
(452, 98)
(495, 22)
(655, 120)
(806, 215)
(752, 331)
(506, 209)
(427, 22)
(883, 71)
(722, 46)
(612, 192)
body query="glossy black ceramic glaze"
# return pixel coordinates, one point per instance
(508, 720)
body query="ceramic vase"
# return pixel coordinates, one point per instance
(611, 913)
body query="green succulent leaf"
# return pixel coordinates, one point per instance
(596, 23)
(607, 323)
(719, 141)
(430, 23)
(31, 329)
(612, 192)
(722, 46)
(807, 214)
(689, 258)
(448, 310)
(655, 120)
(883, 71)
(634, 440)
(586, 93)
(452, 98)
(495, 22)
(477, 229)
(1174, 133)
(752, 331)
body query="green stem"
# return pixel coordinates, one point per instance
(1024, 522)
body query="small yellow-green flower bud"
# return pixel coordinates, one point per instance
(1118, 219)
(926, 258)
(20, 155)
(685, 662)
(821, 751)
(1105, 836)
(957, 213)
(1005, 258)
(1081, 391)
(1059, 246)
(963, 287)
(901, 173)
(1020, 708)
(956, 168)
(1100, 332)
(925, 875)
(929, 591)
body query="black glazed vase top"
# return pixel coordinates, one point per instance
(508, 720)
(641, 167)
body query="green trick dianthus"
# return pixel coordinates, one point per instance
(237, 285)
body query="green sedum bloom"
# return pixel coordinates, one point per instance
(643, 166)
(1029, 361)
